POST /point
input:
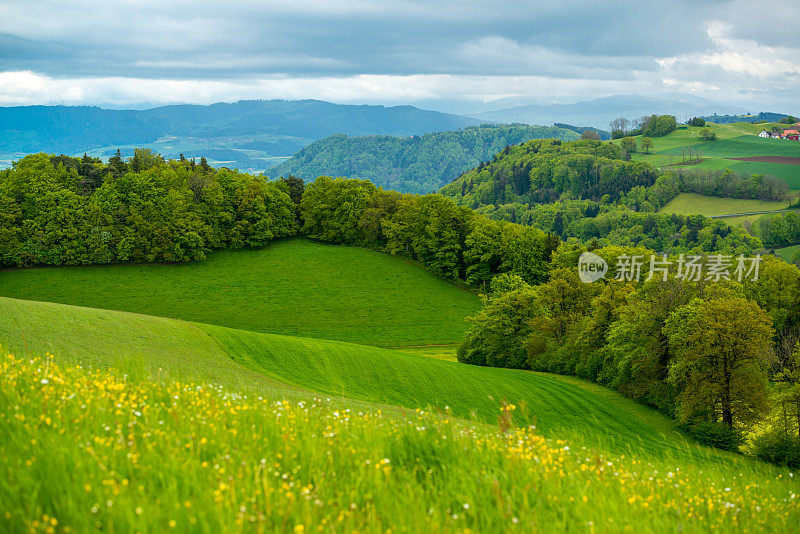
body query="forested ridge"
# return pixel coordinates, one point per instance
(586, 190)
(541, 170)
(418, 164)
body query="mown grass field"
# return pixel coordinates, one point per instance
(788, 253)
(276, 366)
(294, 287)
(734, 141)
(87, 450)
(694, 204)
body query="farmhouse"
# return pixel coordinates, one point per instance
(792, 135)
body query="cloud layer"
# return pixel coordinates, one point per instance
(76, 52)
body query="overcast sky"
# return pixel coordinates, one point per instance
(143, 51)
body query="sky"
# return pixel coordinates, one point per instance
(132, 53)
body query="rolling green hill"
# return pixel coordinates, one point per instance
(294, 287)
(277, 366)
(737, 140)
(412, 164)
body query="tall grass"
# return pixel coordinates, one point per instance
(83, 450)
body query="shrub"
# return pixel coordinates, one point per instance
(714, 434)
(777, 447)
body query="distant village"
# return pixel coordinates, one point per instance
(791, 134)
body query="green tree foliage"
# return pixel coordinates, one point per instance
(780, 229)
(433, 230)
(658, 125)
(498, 333)
(418, 164)
(647, 144)
(628, 144)
(722, 352)
(69, 211)
(541, 170)
(702, 352)
(707, 135)
(696, 121)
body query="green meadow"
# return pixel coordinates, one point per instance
(293, 287)
(180, 456)
(278, 366)
(172, 423)
(736, 140)
(695, 204)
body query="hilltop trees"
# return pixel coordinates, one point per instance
(542, 170)
(410, 165)
(658, 125)
(58, 210)
(707, 135)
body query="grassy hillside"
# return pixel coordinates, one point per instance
(92, 451)
(735, 140)
(275, 366)
(410, 164)
(295, 287)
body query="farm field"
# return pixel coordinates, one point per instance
(788, 253)
(695, 204)
(295, 287)
(153, 457)
(736, 140)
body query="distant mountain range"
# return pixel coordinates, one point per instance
(255, 135)
(411, 164)
(246, 130)
(599, 112)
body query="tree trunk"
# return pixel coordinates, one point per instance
(727, 415)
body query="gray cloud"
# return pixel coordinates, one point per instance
(647, 46)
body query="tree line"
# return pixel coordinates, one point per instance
(721, 357)
(57, 210)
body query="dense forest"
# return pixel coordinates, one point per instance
(58, 210)
(720, 356)
(410, 165)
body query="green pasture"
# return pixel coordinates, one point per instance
(294, 287)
